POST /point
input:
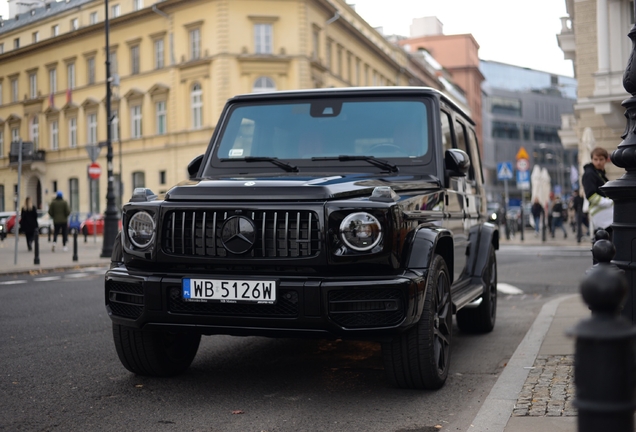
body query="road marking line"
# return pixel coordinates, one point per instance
(75, 275)
(508, 289)
(48, 278)
(13, 282)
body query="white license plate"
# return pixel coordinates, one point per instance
(229, 291)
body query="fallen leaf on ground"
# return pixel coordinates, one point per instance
(237, 412)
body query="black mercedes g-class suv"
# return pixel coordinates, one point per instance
(335, 213)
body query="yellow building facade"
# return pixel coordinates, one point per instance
(174, 63)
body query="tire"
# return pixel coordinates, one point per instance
(482, 318)
(155, 353)
(420, 357)
(44, 230)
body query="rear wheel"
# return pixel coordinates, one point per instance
(155, 353)
(482, 318)
(420, 357)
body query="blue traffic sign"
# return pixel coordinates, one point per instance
(523, 176)
(504, 171)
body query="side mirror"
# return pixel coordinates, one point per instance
(457, 163)
(193, 166)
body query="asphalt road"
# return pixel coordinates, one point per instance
(60, 370)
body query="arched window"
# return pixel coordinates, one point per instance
(196, 102)
(263, 84)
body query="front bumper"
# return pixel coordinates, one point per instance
(347, 307)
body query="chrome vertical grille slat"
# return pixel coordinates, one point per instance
(278, 233)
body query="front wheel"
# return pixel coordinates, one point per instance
(420, 357)
(482, 318)
(155, 353)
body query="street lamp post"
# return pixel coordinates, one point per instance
(623, 190)
(110, 216)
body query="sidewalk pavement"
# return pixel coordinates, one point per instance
(533, 393)
(88, 255)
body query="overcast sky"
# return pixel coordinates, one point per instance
(518, 32)
(521, 33)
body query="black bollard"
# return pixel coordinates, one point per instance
(74, 245)
(523, 223)
(49, 233)
(36, 247)
(604, 358)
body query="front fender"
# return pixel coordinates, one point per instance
(425, 243)
(481, 238)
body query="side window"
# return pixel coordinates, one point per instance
(462, 144)
(447, 137)
(474, 148)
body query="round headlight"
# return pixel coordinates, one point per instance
(141, 229)
(361, 231)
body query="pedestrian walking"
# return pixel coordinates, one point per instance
(537, 212)
(59, 211)
(28, 221)
(557, 217)
(601, 209)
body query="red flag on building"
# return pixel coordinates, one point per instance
(69, 96)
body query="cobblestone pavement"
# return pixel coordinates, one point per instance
(549, 388)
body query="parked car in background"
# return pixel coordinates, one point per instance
(45, 223)
(4, 216)
(10, 223)
(494, 210)
(75, 221)
(93, 223)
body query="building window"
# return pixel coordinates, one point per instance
(263, 39)
(339, 61)
(73, 194)
(316, 43)
(547, 134)
(74, 24)
(90, 70)
(160, 109)
(1, 144)
(138, 4)
(35, 131)
(55, 30)
(135, 121)
(506, 130)
(505, 106)
(114, 127)
(114, 11)
(138, 179)
(14, 90)
(195, 44)
(94, 196)
(91, 128)
(159, 60)
(196, 102)
(134, 60)
(162, 177)
(0, 95)
(1, 48)
(328, 55)
(36, 37)
(93, 18)
(15, 134)
(72, 132)
(113, 63)
(16, 43)
(52, 80)
(70, 76)
(54, 138)
(263, 84)
(33, 85)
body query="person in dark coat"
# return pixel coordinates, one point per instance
(537, 211)
(59, 211)
(29, 221)
(601, 207)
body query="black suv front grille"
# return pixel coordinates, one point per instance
(285, 307)
(125, 299)
(376, 307)
(279, 234)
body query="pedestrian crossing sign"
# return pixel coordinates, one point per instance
(504, 171)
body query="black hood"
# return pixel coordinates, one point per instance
(296, 187)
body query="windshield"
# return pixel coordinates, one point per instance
(300, 131)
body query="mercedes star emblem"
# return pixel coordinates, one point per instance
(238, 234)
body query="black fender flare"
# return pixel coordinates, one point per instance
(425, 243)
(117, 256)
(481, 237)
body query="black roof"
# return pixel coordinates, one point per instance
(51, 8)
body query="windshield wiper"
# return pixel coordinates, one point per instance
(371, 159)
(279, 163)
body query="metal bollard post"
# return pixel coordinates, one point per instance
(523, 224)
(49, 233)
(604, 359)
(36, 247)
(74, 245)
